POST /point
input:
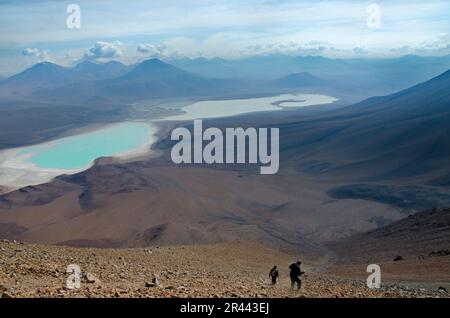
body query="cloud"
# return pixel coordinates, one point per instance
(152, 50)
(42, 55)
(439, 45)
(30, 52)
(290, 47)
(360, 50)
(315, 48)
(104, 50)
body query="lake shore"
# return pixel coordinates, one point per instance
(17, 170)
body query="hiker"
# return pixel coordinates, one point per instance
(295, 275)
(274, 275)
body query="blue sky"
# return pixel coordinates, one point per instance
(130, 31)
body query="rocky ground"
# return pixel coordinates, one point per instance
(221, 270)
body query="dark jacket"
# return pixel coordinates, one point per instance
(295, 270)
(274, 273)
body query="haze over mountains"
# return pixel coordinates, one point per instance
(154, 78)
(399, 135)
(40, 76)
(364, 76)
(99, 71)
(113, 81)
(298, 80)
(369, 163)
(206, 77)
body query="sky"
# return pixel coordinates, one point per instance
(131, 31)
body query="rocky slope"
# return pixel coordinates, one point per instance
(223, 270)
(418, 236)
(413, 251)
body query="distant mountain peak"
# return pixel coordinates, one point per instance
(301, 75)
(152, 69)
(410, 57)
(46, 65)
(43, 70)
(114, 63)
(154, 62)
(40, 75)
(299, 80)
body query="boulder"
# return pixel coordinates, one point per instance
(442, 290)
(91, 279)
(154, 282)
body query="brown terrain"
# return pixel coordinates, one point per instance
(414, 250)
(240, 268)
(166, 204)
(342, 172)
(349, 178)
(221, 270)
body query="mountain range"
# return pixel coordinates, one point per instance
(114, 81)
(371, 163)
(43, 75)
(364, 76)
(98, 71)
(207, 77)
(298, 80)
(405, 134)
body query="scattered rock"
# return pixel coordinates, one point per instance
(184, 275)
(5, 295)
(440, 253)
(91, 279)
(154, 282)
(442, 290)
(123, 275)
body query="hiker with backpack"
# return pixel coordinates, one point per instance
(274, 275)
(295, 275)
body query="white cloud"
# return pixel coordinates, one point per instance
(153, 50)
(104, 50)
(41, 55)
(440, 45)
(313, 47)
(222, 28)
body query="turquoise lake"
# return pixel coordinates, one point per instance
(31, 165)
(79, 151)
